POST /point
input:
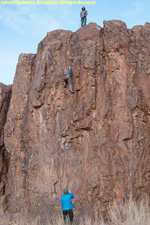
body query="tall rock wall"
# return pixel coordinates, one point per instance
(5, 95)
(97, 141)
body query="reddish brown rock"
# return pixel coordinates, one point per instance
(5, 95)
(97, 141)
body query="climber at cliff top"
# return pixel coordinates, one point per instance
(67, 205)
(83, 15)
(67, 78)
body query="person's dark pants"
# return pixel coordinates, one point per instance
(68, 213)
(67, 79)
(83, 21)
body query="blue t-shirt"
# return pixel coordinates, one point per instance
(66, 202)
(68, 71)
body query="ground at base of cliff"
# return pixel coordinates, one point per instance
(126, 213)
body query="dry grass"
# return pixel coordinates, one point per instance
(20, 221)
(130, 213)
(127, 213)
(89, 221)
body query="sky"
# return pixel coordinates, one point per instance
(23, 26)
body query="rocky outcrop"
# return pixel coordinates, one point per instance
(5, 95)
(97, 141)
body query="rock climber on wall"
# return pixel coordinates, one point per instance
(67, 78)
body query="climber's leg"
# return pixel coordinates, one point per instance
(65, 83)
(70, 85)
(65, 79)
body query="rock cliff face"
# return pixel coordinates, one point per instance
(5, 95)
(97, 141)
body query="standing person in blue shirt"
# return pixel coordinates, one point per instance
(83, 16)
(67, 79)
(67, 205)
